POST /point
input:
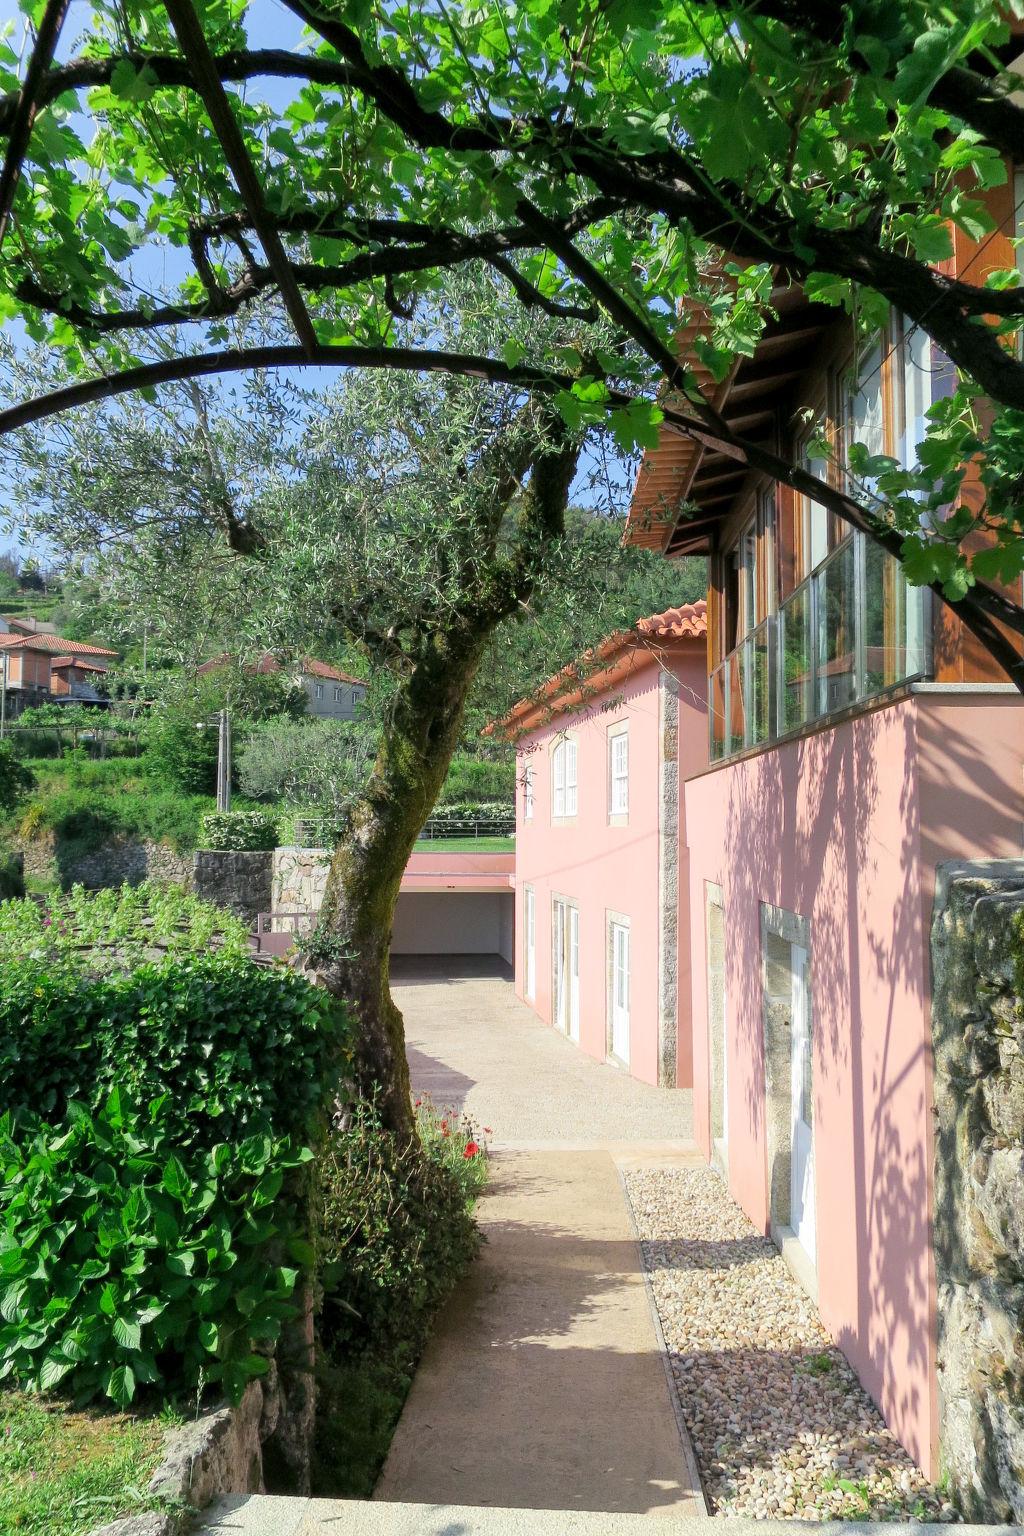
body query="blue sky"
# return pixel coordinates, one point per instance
(271, 25)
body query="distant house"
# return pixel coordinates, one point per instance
(12, 624)
(45, 668)
(75, 677)
(331, 693)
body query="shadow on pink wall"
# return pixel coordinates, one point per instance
(831, 828)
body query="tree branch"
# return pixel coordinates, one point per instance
(170, 70)
(980, 605)
(27, 104)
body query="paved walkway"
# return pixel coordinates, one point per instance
(544, 1384)
(473, 1045)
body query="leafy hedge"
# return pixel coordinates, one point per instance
(227, 1039)
(121, 1263)
(163, 1099)
(245, 831)
(475, 810)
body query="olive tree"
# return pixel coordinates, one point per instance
(406, 515)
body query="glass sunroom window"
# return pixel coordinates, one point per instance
(796, 661)
(836, 659)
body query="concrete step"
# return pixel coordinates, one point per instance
(264, 1515)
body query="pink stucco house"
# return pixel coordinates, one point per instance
(758, 927)
(602, 895)
(858, 737)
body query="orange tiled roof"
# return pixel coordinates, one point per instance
(268, 663)
(691, 619)
(61, 662)
(54, 645)
(569, 686)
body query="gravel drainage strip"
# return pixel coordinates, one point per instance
(780, 1424)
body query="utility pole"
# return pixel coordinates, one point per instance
(3, 695)
(224, 761)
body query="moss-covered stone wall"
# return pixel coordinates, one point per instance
(978, 1037)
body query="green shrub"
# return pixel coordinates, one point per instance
(123, 1264)
(396, 1230)
(87, 802)
(248, 831)
(479, 779)
(474, 810)
(12, 878)
(16, 780)
(85, 1006)
(181, 755)
(396, 1235)
(228, 1039)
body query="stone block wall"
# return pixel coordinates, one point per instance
(112, 864)
(299, 878)
(239, 881)
(978, 1038)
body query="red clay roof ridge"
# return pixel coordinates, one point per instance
(684, 622)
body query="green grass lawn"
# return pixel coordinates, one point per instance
(465, 845)
(63, 1473)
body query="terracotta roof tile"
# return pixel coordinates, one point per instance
(269, 663)
(76, 661)
(55, 645)
(567, 687)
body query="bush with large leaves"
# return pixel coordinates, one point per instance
(124, 1263)
(163, 1100)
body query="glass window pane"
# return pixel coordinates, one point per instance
(717, 720)
(758, 717)
(737, 712)
(893, 622)
(837, 646)
(796, 705)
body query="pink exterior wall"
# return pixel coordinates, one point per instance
(459, 872)
(844, 827)
(605, 868)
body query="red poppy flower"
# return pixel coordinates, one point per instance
(472, 1150)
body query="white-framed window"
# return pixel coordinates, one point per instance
(528, 794)
(337, 695)
(618, 770)
(530, 936)
(618, 987)
(563, 774)
(319, 690)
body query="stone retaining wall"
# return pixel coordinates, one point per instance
(299, 878)
(112, 864)
(978, 1035)
(236, 880)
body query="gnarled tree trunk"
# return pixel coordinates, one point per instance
(354, 932)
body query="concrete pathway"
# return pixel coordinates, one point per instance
(544, 1384)
(541, 1404)
(473, 1045)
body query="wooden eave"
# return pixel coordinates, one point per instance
(685, 490)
